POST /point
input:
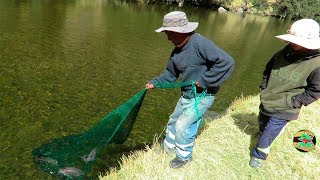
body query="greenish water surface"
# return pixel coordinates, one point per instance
(64, 65)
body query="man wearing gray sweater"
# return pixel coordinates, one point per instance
(194, 58)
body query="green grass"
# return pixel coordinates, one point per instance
(222, 150)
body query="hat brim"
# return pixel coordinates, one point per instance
(191, 26)
(304, 42)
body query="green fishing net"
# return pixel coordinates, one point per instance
(73, 156)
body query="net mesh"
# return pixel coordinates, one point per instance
(73, 156)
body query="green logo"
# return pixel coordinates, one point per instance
(304, 141)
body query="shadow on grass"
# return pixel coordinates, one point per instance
(248, 123)
(111, 157)
(209, 116)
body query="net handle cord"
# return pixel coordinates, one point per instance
(198, 97)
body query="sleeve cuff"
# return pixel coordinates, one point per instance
(295, 102)
(202, 84)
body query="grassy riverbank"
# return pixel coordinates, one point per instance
(223, 149)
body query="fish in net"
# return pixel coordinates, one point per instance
(73, 156)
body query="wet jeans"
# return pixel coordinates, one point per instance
(183, 125)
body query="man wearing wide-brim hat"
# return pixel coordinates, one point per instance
(291, 80)
(194, 58)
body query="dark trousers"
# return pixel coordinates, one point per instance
(271, 127)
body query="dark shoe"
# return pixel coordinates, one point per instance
(178, 163)
(255, 162)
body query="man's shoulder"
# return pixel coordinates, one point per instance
(203, 41)
(201, 37)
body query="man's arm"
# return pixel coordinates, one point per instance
(222, 65)
(266, 74)
(170, 74)
(312, 91)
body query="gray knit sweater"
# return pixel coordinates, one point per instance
(199, 60)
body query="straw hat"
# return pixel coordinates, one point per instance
(177, 21)
(304, 32)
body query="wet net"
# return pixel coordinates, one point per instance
(73, 156)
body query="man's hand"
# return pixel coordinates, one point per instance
(197, 84)
(149, 86)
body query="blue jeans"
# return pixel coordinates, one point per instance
(271, 128)
(183, 126)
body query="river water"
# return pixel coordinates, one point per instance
(66, 64)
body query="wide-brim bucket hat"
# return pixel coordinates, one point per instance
(177, 21)
(304, 32)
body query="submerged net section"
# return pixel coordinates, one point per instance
(73, 156)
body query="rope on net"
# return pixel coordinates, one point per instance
(193, 93)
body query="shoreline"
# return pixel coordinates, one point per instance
(282, 10)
